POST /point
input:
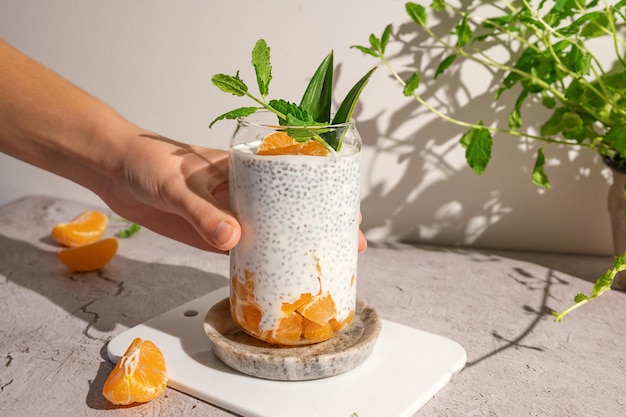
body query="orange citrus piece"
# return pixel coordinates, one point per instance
(340, 325)
(289, 329)
(248, 316)
(313, 148)
(288, 308)
(280, 143)
(89, 257)
(274, 142)
(86, 228)
(138, 377)
(320, 309)
(314, 332)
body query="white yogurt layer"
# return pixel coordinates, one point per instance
(296, 212)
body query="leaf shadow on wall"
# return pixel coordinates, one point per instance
(438, 199)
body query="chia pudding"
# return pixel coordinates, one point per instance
(296, 262)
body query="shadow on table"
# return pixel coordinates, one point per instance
(123, 294)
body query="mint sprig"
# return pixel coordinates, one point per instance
(315, 106)
(602, 285)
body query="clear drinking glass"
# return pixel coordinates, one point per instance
(293, 273)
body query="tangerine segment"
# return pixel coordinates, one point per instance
(313, 148)
(340, 325)
(89, 257)
(280, 143)
(86, 228)
(314, 332)
(289, 329)
(288, 308)
(248, 316)
(274, 142)
(139, 376)
(320, 309)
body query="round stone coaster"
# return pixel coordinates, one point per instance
(248, 355)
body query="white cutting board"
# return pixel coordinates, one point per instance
(406, 368)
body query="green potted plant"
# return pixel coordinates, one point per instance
(550, 63)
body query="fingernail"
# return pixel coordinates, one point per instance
(222, 234)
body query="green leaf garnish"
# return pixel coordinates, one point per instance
(315, 106)
(317, 97)
(233, 114)
(128, 232)
(230, 84)
(262, 66)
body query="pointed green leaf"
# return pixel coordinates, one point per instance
(317, 98)
(344, 112)
(477, 143)
(515, 117)
(365, 50)
(416, 12)
(230, 84)
(233, 114)
(438, 5)
(444, 65)
(262, 66)
(463, 32)
(539, 176)
(411, 84)
(375, 42)
(384, 39)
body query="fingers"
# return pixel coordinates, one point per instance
(362, 240)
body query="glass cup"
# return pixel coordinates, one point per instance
(293, 273)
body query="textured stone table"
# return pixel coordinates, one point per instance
(54, 325)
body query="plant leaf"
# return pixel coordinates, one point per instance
(411, 84)
(539, 177)
(384, 39)
(477, 143)
(443, 65)
(346, 108)
(262, 66)
(230, 84)
(317, 98)
(366, 50)
(233, 114)
(438, 5)
(416, 12)
(463, 32)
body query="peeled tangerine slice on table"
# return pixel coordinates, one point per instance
(89, 257)
(139, 376)
(86, 228)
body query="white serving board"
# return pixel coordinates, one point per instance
(406, 368)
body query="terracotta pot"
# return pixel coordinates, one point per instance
(616, 205)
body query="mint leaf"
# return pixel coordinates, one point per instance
(366, 50)
(262, 66)
(477, 143)
(464, 32)
(384, 39)
(416, 12)
(444, 65)
(602, 285)
(230, 84)
(128, 232)
(411, 84)
(233, 114)
(539, 177)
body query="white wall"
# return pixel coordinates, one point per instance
(152, 60)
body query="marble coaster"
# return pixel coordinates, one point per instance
(250, 356)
